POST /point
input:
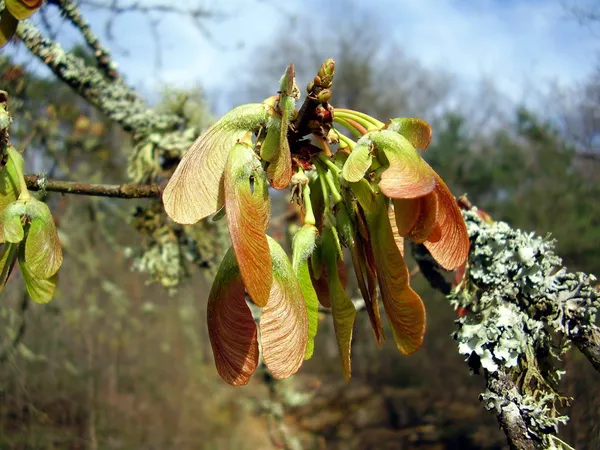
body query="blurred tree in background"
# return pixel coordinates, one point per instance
(113, 363)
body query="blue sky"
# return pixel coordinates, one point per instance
(523, 45)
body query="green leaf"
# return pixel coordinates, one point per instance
(303, 246)
(8, 257)
(41, 290)
(343, 310)
(8, 26)
(11, 222)
(43, 252)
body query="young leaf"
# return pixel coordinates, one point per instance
(41, 290)
(270, 145)
(408, 175)
(231, 328)
(417, 131)
(248, 210)
(403, 306)
(280, 169)
(283, 322)
(303, 246)
(195, 190)
(43, 252)
(451, 246)
(343, 310)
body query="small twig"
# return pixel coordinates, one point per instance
(112, 97)
(589, 345)
(37, 183)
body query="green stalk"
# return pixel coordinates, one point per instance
(325, 160)
(309, 215)
(321, 177)
(323, 173)
(354, 114)
(359, 118)
(357, 134)
(349, 142)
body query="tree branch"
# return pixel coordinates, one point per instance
(72, 12)
(520, 298)
(113, 97)
(37, 183)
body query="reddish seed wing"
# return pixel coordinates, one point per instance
(452, 248)
(408, 175)
(427, 218)
(368, 289)
(284, 321)
(231, 328)
(248, 208)
(195, 190)
(403, 306)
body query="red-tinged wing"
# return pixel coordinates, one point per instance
(284, 321)
(452, 246)
(404, 308)
(231, 328)
(248, 209)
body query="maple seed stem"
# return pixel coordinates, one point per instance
(349, 142)
(325, 160)
(357, 134)
(365, 119)
(309, 215)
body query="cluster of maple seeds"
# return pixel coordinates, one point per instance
(365, 193)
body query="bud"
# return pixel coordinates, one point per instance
(324, 96)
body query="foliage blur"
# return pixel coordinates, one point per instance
(114, 363)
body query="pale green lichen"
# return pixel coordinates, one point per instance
(520, 297)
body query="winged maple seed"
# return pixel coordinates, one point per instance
(365, 193)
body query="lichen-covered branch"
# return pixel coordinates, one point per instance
(39, 183)
(509, 415)
(521, 302)
(72, 12)
(112, 97)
